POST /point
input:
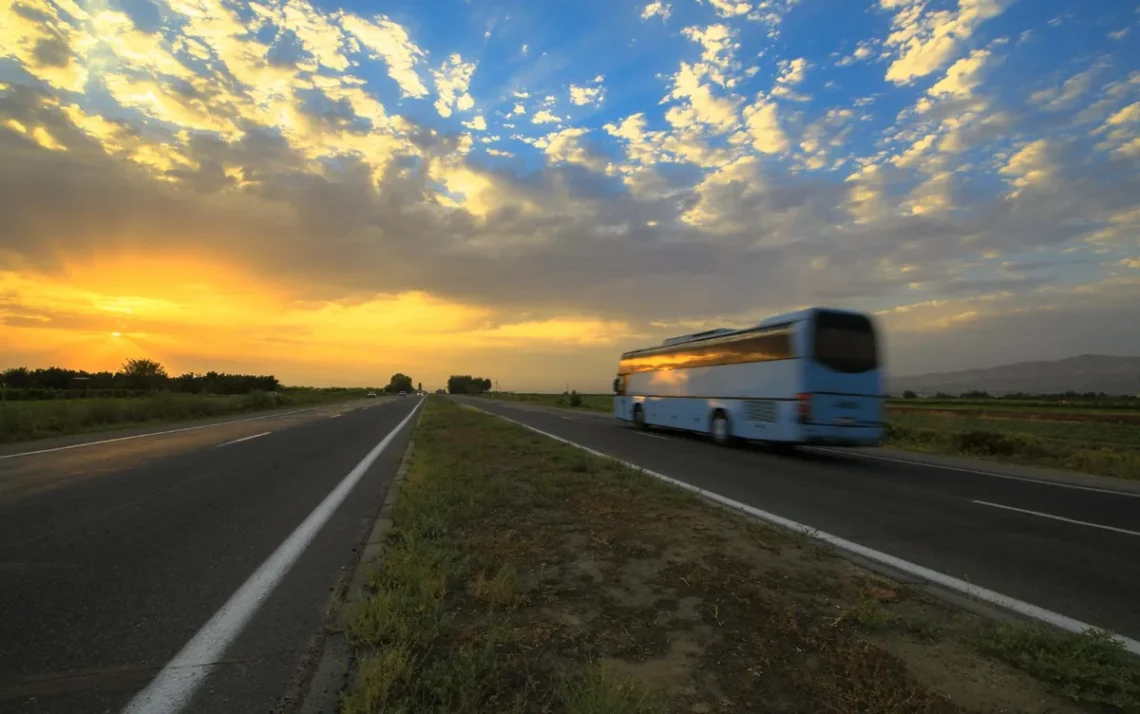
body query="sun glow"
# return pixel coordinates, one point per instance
(192, 314)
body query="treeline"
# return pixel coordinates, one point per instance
(466, 384)
(137, 377)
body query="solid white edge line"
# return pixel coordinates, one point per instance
(1058, 518)
(1041, 482)
(245, 438)
(951, 583)
(171, 690)
(154, 433)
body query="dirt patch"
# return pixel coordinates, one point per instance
(552, 581)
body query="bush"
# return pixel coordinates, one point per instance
(259, 399)
(575, 399)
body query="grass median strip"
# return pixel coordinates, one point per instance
(524, 575)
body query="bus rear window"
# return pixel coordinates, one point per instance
(845, 343)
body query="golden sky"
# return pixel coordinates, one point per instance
(332, 195)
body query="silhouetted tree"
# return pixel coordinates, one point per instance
(908, 394)
(400, 382)
(143, 374)
(466, 384)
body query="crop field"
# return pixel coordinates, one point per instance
(1087, 436)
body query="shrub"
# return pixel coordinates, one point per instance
(575, 399)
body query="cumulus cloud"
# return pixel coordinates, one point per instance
(544, 117)
(924, 39)
(205, 138)
(592, 93)
(451, 82)
(390, 41)
(657, 9)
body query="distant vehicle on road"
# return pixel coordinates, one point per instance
(402, 394)
(370, 395)
(806, 377)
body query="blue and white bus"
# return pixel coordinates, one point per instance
(808, 377)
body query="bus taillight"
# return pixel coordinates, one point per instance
(803, 407)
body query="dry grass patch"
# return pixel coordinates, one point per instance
(524, 575)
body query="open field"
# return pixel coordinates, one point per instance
(35, 419)
(524, 575)
(1091, 441)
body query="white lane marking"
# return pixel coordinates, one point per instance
(1042, 482)
(245, 438)
(154, 433)
(1040, 614)
(174, 686)
(1059, 518)
(651, 436)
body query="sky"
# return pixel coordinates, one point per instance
(523, 190)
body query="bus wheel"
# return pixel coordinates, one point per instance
(639, 417)
(720, 429)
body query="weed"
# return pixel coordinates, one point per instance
(1091, 667)
(599, 691)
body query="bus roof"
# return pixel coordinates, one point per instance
(784, 319)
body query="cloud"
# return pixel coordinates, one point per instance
(1073, 88)
(566, 146)
(1031, 164)
(477, 124)
(863, 51)
(593, 93)
(924, 39)
(730, 8)
(763, 130)
(718, 44)
(390, 41)
(451, 81)
(657, 9)
(791, 74)
(266, 180)
(544, 117)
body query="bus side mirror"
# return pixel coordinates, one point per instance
(617, 381)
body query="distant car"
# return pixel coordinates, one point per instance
(370, 395)
(403, 394)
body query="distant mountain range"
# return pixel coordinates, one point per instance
(1085, 373)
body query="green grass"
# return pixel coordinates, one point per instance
(1090, 668)
(1089, 447)
(525, 576)
(28, 420)
(590, 402)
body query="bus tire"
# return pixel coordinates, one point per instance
(639, 417)
(720, 427)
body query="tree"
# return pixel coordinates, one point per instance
(143, 374)
(400, 382)
(908, 394)
(466, 384)
(419, 386)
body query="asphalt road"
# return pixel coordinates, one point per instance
(952, 521)
(113, 555)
